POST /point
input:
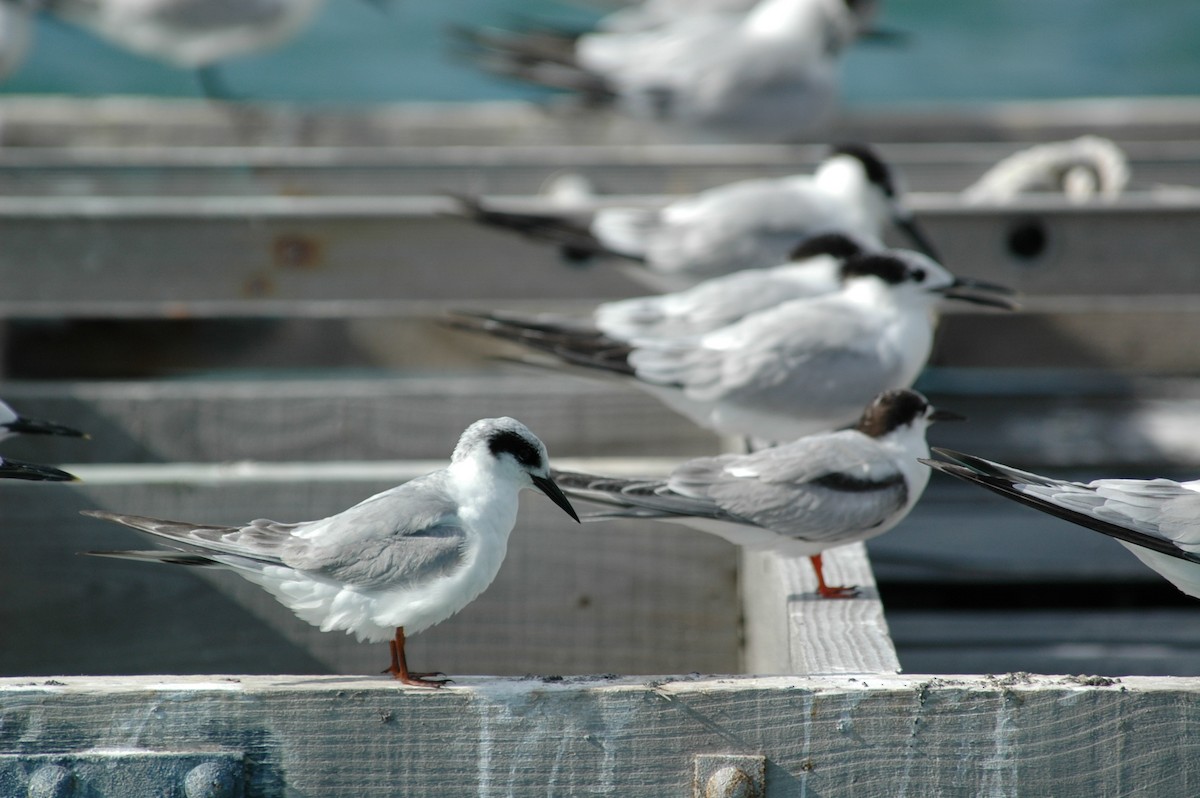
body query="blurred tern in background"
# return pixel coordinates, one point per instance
(748, 224)
(16, 33)
(799, 498)
(814, 268)
(764, 74)
(192, 34)
(1082, 169)
(804, 366)
(1156, 519)
(394, 564)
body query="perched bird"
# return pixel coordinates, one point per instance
(803, 366)
(1082, 169)
(799, 498)
(813, 268)
(394, 564)
(13, 469)
(1156, 519)
(193, 34)
(16, 33)
(13, 424)
(748, 224)
(765, 73)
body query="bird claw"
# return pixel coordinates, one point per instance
(835, 592)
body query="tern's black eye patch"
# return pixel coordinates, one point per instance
(517, 445)
(892, 410)
(892, 271)
(877, 171)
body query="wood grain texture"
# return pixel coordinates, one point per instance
(131, 122)
(398, 170)
(789, 629)
(886, 736)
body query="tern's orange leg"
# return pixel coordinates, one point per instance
(399, 666)
(828, 591)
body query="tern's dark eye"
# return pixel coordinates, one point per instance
(521, 449)
(918, 275)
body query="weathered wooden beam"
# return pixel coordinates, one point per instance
(368, 252)
(622, 169)
(870, 736)
(1032, 418)
(139, 122)
(790, 629)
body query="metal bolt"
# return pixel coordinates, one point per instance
(730, 776)
(210, 780)
(51, 781)
(730, 782)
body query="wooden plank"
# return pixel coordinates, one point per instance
(260, 253)
(415, 417)
(139, 122)
(845, 735)
(628, 599)
(790, 629)
(944, 166)
(1032, 418)
(1107, 642)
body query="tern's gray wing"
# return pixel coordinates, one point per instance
(821, 487)
(1158, 514)
(638, 497)
(404, 534)
(810, 356)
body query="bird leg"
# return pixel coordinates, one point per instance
(828, 591)
(399, 666)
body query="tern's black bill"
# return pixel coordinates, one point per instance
(13, 469)
(977, 293)
(946, 415)
(33, 426)
(547, 486)
(915, 234)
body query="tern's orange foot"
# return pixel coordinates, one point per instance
(835, 592)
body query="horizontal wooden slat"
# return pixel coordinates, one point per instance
(944, 166)
(869, 737)
(1111, 642)
(1036, 418)
(139, 122)
(88, 253)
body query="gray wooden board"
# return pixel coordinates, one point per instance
(945, 166)
(1110, 642)
(169, 256)
(1027, 418)
(569, 599)
(790, 629)
(873, 736)
(138, 122)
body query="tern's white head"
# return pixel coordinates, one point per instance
(507, 450)
(914, 278)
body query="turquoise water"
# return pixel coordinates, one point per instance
(974, 50)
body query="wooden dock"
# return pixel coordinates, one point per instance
(239, 308)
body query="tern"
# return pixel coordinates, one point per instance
(747, 224)
(799, 498)
(1156, 519)
(192, 34)
(392, 565)
(804, 366)
(765, 73)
